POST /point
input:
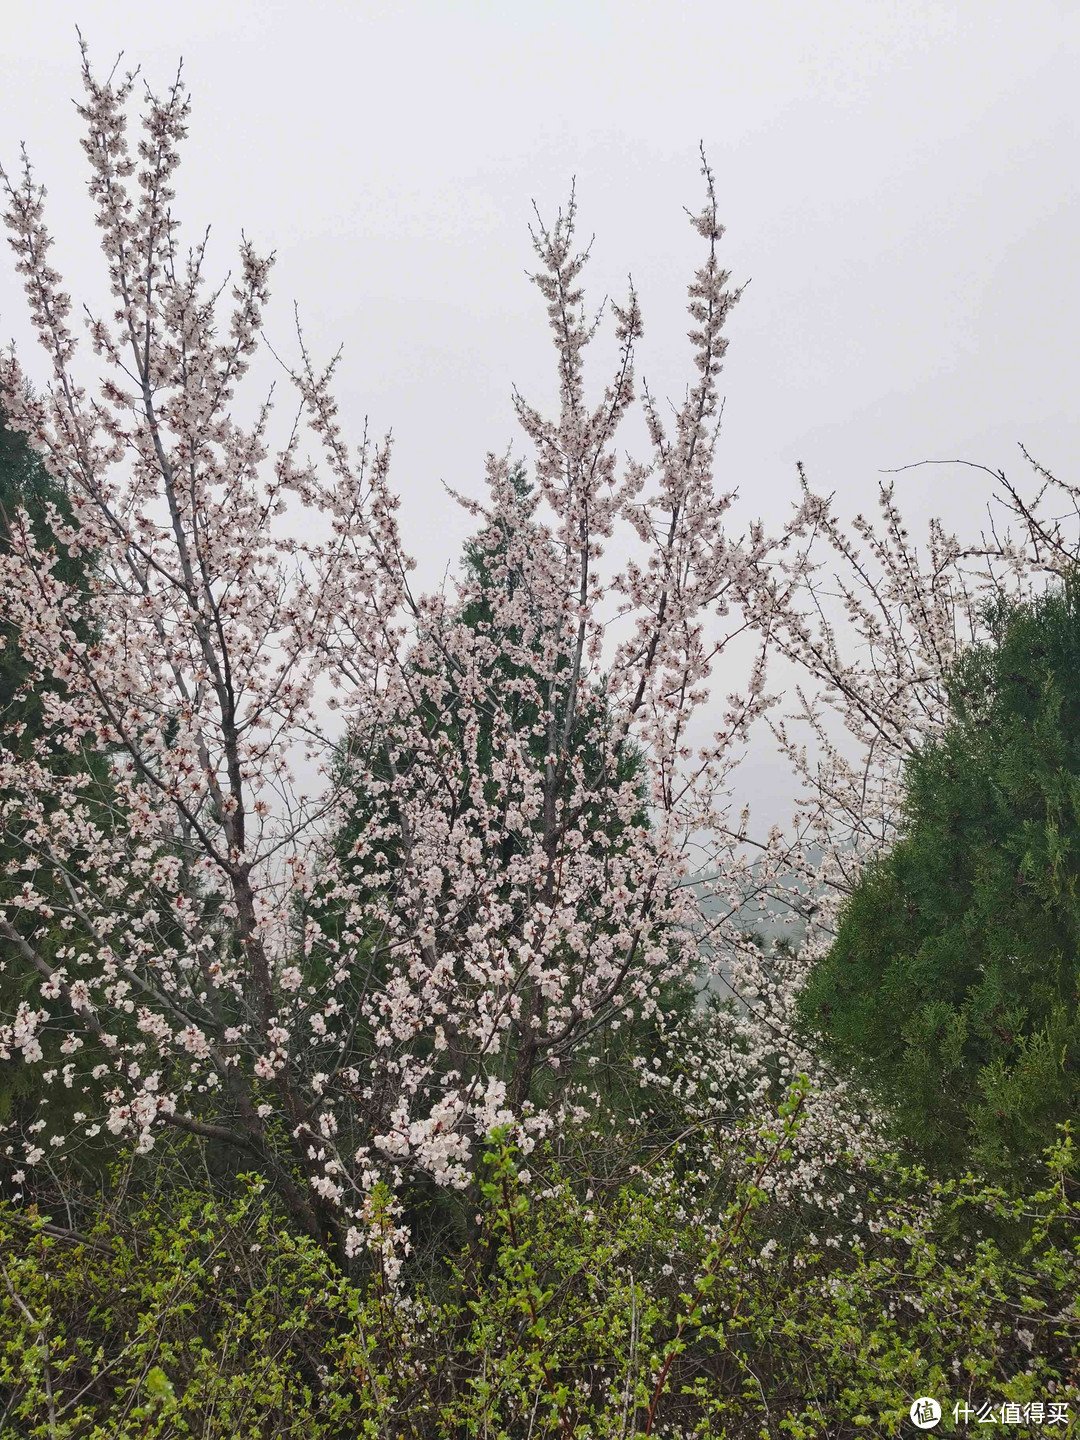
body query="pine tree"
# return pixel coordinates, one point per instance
(27, 487)
(953, 983)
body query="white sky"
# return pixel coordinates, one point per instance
(898, 180)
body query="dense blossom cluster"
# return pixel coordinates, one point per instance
(211, 956)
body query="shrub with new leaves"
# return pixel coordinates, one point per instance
(608, 1316)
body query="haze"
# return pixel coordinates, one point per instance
(898, 181)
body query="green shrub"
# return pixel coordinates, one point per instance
(572, 1314)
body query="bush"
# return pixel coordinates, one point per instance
(573, 1315)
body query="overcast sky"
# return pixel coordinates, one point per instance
(898, 181)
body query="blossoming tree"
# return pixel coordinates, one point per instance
(341, 1018)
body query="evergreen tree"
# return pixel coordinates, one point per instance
(26, 486)
(482, 574)
(953, 983)
(605, 1065)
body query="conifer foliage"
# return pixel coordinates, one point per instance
(954, 981)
